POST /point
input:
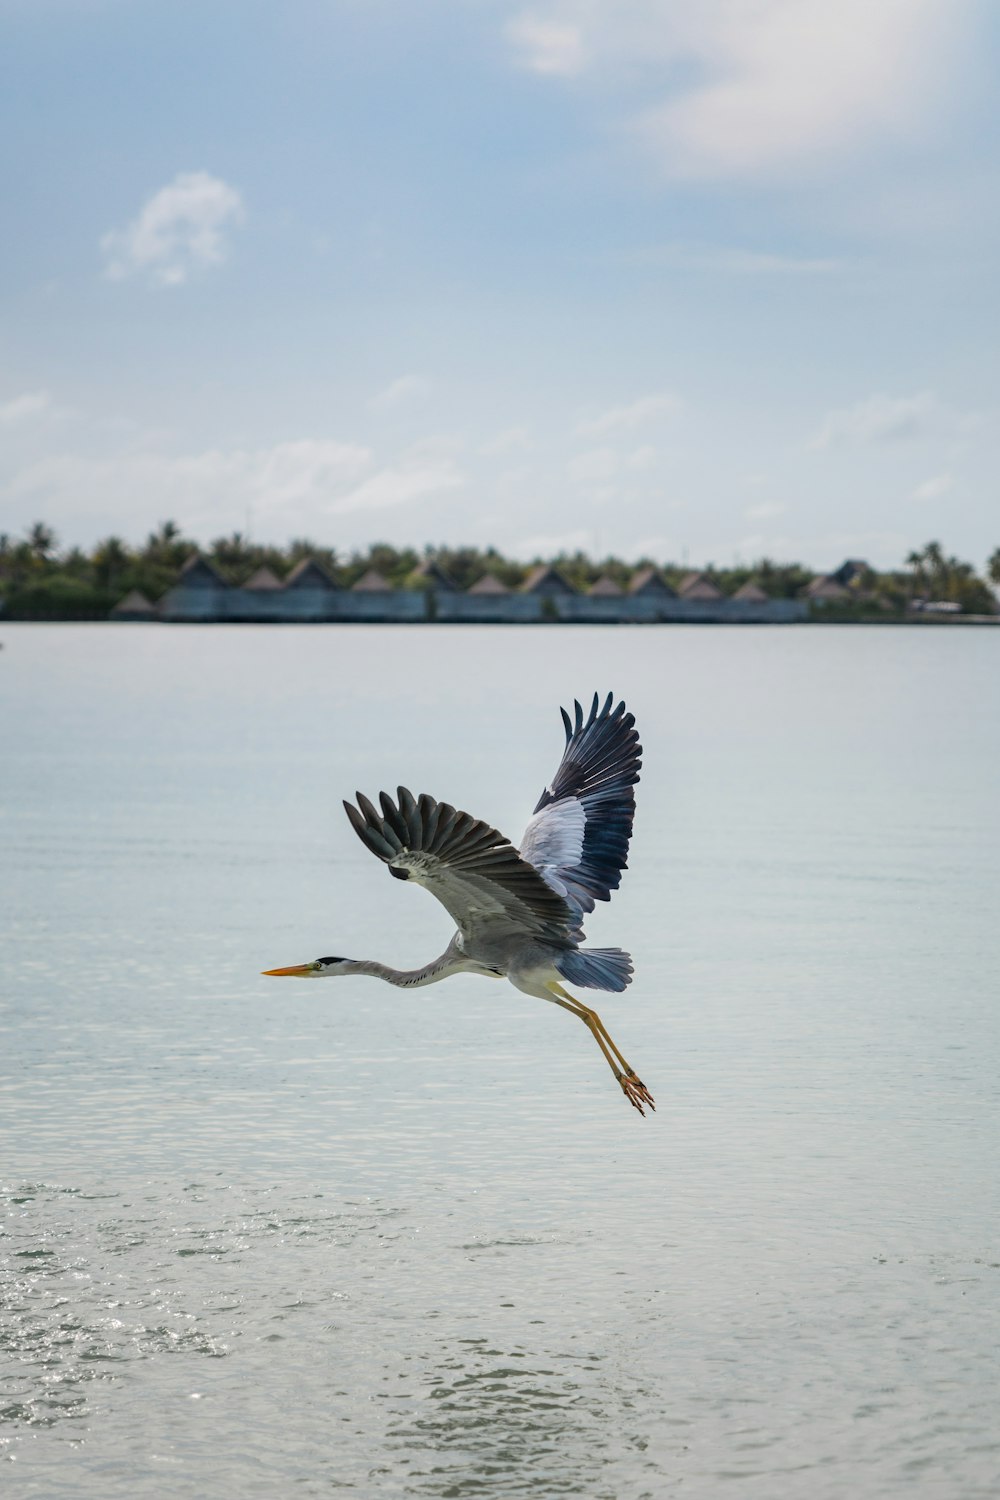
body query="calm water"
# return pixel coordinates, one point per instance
(270, 1238)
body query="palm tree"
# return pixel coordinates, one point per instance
(937, 567)
(233, 553)
(915, 561)
(167, 546)
(110, 558)
(41, 540)
(993, 567)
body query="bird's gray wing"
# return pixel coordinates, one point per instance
(476, 873)
(578, 838)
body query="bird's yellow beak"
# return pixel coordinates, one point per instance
(298, 971)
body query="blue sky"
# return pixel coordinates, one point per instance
(702, 281)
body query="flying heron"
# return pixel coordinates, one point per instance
(520, 912)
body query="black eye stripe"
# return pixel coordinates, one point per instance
(331, 960)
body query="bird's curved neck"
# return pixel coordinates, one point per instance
(406, 979)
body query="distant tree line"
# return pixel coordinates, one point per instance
(41, 581)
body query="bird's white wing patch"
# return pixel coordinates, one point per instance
(553, 840)
(578, 838)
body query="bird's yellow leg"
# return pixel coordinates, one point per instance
(594, 1020)
(568, 1003)
(632, 1087)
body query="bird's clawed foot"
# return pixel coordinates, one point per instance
(635, 1091)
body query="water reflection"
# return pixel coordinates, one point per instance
(506, 1421)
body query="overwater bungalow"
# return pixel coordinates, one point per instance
(199, 573)
(751, 593)
(309, 574)
(135, 606)
(263, 580)
(309, 595)
(199, 593)
(649, 583)
(696, 586)
(824, 589)
(372, 582)
(546, 580)
(488, 585)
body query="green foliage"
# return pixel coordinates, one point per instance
(38, 582)
(393, 563)
(937, 577)
(466, 565)
(59, 596)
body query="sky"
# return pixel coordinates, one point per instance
(704, 282)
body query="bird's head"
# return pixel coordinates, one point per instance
(320, 968)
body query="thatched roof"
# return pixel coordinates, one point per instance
(697, 586)
(751, 593)
(650, 581)
(372, 582)
(198, 572)
(605, 588)
(263, 579)
(489, 584)
(824, 588)
(545, 579)
(135, 606)
(309, 574)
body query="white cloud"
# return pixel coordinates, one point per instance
(880, 419)
(729, 261)
(751, 87)
(596, 466)
(641, 458)
(547, 46)
(765, 511)
(24, 408)
(511, 440)
(934, 488)
(203, 490)
(307, 471)
(659, 405)
(284, 487)
(551, 544)
(399, 392)
(425, 470)
(180, 229)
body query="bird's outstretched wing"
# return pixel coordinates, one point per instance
(476, 874)
(578, 838)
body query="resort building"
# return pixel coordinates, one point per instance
(263, 580)
(547, 580)
(697, 586)
(372, 582)
(824, 589)
(135, 606)
(751, 593)
(489, 585)
(309, 594)
(649, 583)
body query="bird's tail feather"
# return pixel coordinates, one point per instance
(596, 968)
